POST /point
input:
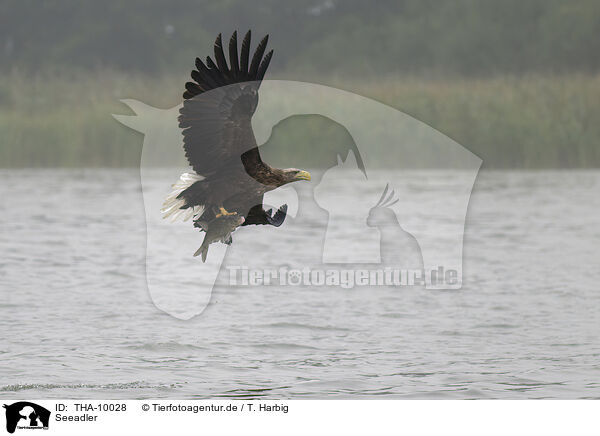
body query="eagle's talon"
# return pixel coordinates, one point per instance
(223, 212)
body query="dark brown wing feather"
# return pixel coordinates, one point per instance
(218, 107)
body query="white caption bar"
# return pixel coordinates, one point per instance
(305, 417)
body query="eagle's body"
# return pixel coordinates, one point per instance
(219, 142)
(235, 189)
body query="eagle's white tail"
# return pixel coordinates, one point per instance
(172, 205)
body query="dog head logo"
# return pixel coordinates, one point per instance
(431, 177)
(26, 415)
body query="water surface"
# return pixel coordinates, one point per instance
(78, 322)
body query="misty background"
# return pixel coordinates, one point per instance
(516, 82)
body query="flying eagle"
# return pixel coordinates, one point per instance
(230, 176)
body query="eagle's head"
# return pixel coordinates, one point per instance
(293, 175)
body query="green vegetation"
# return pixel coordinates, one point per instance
(510, 122)
(66, 121)
(346, 37)
(530, 121)
(515, 81)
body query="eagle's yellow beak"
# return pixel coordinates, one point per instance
(303, 175)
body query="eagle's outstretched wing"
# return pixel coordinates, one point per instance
(216, 125)
(258, 215)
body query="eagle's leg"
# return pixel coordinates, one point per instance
(223, 212)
